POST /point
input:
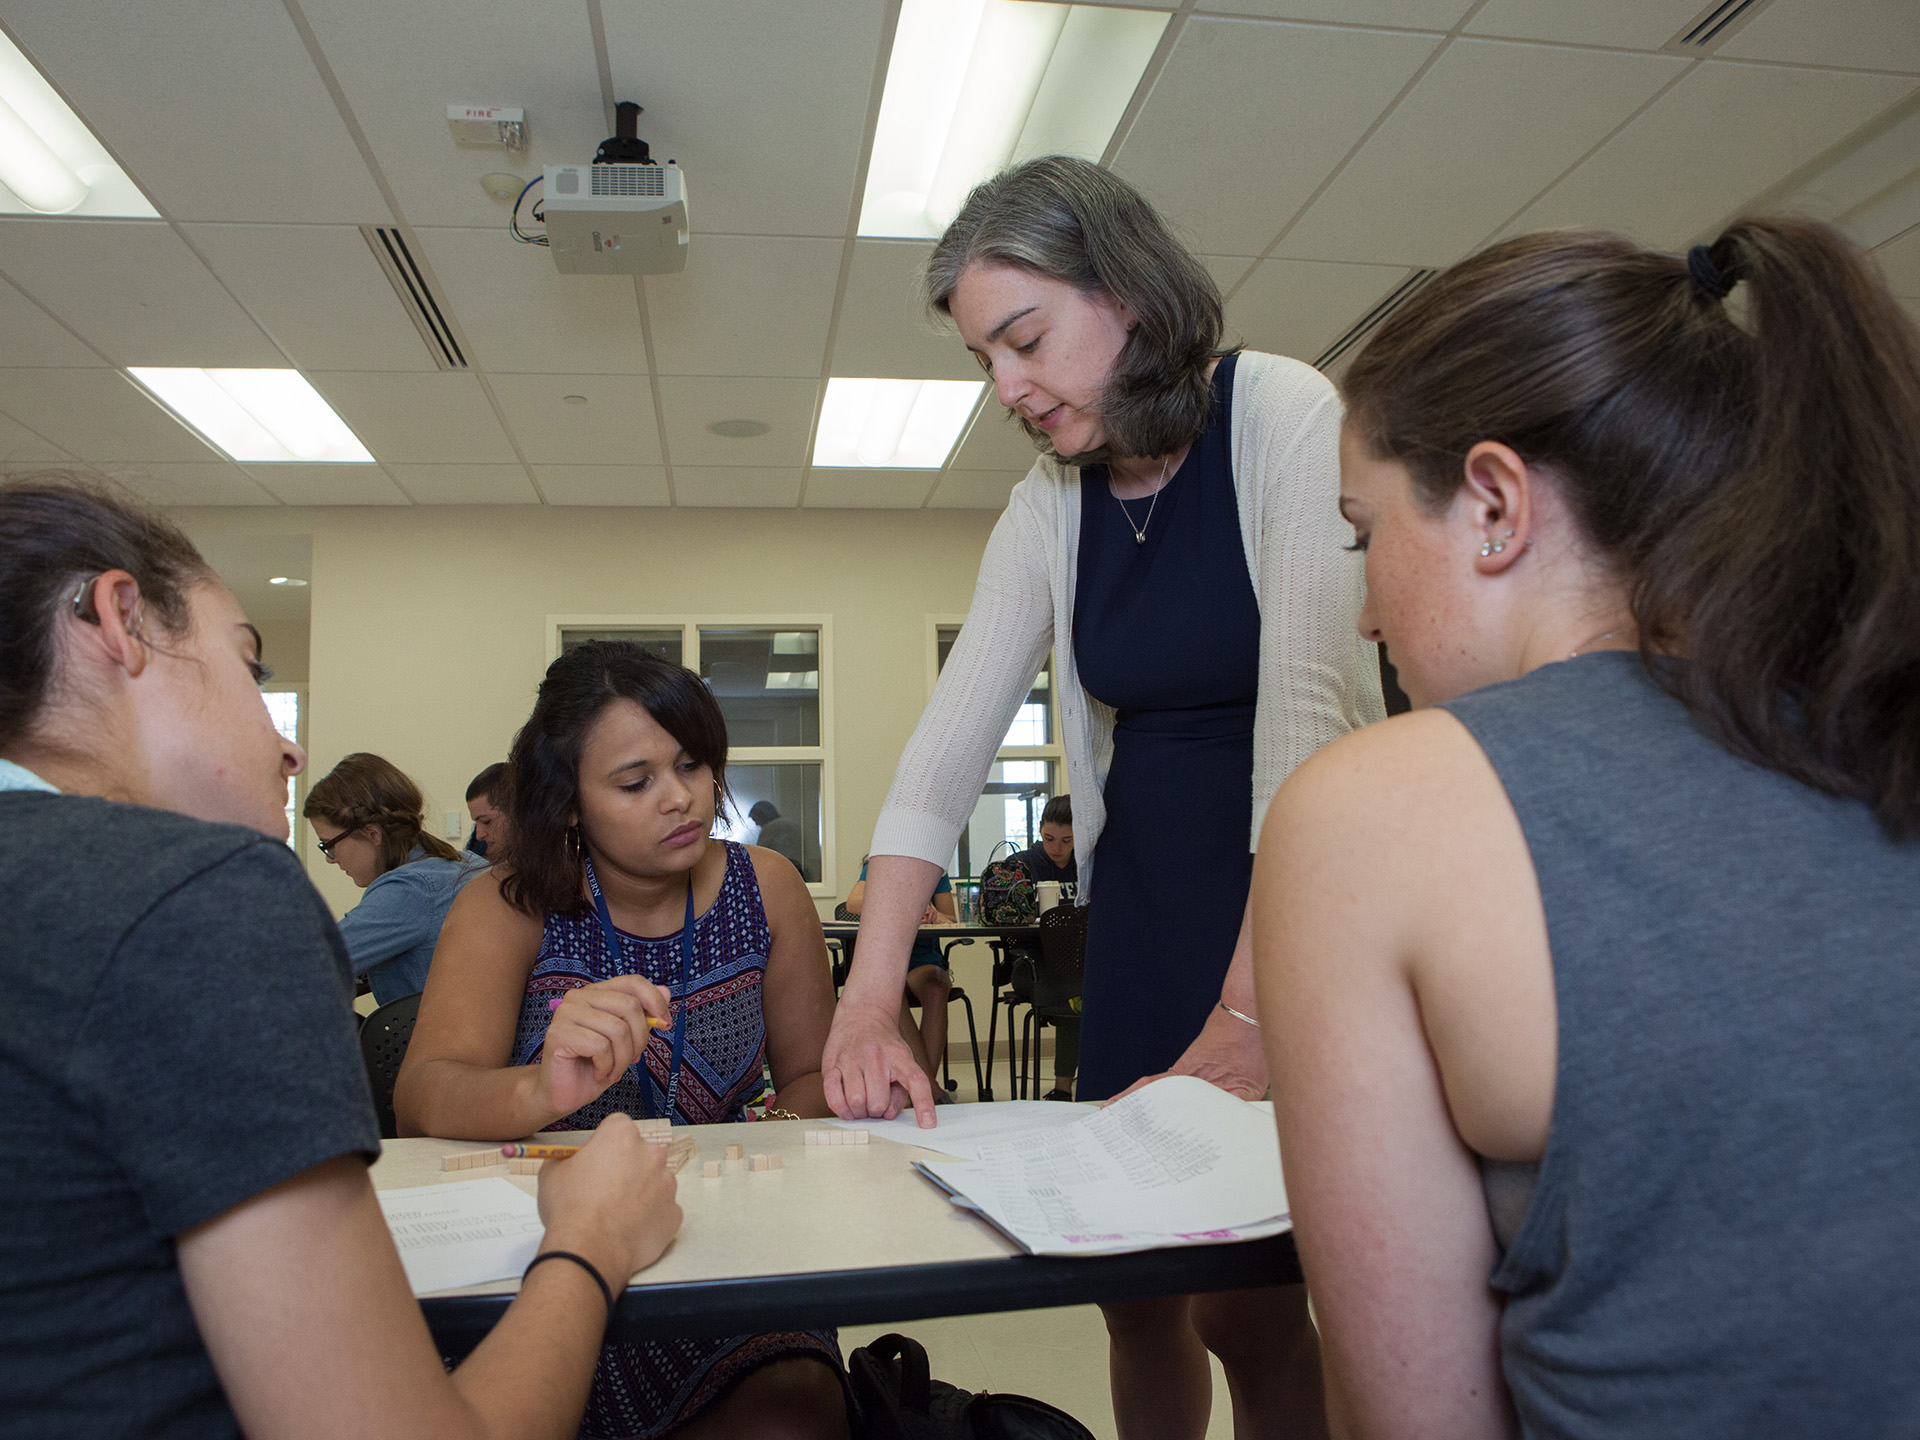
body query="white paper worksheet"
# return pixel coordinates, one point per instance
(963, 1129)
(462, 1233)
(1180, 1162)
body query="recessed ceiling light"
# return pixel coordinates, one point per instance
(975, 84)
(892, 424)
(739, 429)
(258, 416)
(50, 163)
(289, 581)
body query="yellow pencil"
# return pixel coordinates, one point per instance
(538, 1152)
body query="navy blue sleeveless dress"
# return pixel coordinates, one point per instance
(1168, 634)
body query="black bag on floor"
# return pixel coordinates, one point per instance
(900, 1400)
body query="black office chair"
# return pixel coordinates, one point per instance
(1056, 985)
(842, 966)
(383, 1045)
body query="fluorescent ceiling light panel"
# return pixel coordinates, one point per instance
(796, 642)
(793, 680)
(50, 164)
(259, 416)
(975, 85)
(892, 424)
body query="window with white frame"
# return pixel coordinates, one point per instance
(767, 674)
(285, 708)
(1027, 772)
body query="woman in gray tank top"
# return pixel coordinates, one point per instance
(1591, 988)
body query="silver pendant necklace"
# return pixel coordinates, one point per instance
(1140, 530)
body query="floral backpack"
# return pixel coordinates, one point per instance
(1007, 896)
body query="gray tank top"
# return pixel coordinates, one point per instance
(1723, 1237)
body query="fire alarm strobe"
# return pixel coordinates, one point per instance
(621, 215)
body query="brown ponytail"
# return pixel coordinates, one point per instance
(364, 789)
(1755, 482)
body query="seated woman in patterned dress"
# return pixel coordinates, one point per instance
(619, 906)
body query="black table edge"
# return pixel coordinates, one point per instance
(765, 1304)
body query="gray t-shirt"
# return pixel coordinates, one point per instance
(179, 1037)
(1724, 1237)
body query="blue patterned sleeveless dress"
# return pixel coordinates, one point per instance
(652, 1388)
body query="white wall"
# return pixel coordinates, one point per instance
(429, 626)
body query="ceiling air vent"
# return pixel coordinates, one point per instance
(1337, 353)
(1716, 23)
(421, 304)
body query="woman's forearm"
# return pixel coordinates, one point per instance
(456, 1100)
(898, 888)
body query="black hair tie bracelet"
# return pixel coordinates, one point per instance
(580, 1260)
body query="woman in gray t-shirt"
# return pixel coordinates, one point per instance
(1589, 988)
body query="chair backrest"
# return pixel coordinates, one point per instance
(1063, 956)
(383, 1045)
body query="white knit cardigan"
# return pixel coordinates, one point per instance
(1318, 678)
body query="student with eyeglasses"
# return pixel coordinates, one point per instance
(369, 819)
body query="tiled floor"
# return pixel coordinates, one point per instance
(1059, 1356)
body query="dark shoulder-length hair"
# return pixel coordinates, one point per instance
(1753, 475)
(1070, 220)
(544, 764)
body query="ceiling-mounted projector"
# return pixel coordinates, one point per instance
(621, 215)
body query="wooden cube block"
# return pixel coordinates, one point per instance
(773, 1163)
(736, 1152)
(760, 1162)
(521, 1165)
(710, 1169)
(471, 1159)
(655, 1129)
(856, 1137)
(819, 1137)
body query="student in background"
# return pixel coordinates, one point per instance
(616, 906)
(777, 833)
(1589, 989)
(928, 979)
(1051, 858)
(370, 820)
(196, 1249)
(487, 804)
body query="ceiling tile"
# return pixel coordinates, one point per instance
(973, 490)
(518, 313)
(763, 103)
(1721, 136)
(402, 62)
(30, 336)
(712, 318)
(693, 404)
(1227, 270)
(98, 415)
(996, 442)
(133, 290)
(1299, 307)
(215, 482)
(441, 418)
(1900, 261)
(885, 329)
(603, 484)
(868, 489)
(329, 484)
(614, 427)
(702, 486)
(21, 449)
(1422, 191)
(1231, 177)
(317, 291)
(1632, 24)
(213, 106)
(1873, 34)
(466, 484)
(1412, 14)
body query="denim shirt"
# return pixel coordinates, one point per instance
(391, 933)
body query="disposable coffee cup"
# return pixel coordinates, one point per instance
(1049, 893)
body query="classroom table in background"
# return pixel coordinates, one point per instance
(840, 1235)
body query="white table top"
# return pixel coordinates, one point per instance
(829, 1208)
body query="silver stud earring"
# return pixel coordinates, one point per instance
(1493, 547)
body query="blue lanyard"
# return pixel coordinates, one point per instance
(679, 1000)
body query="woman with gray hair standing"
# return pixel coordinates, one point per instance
(1178, 543)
